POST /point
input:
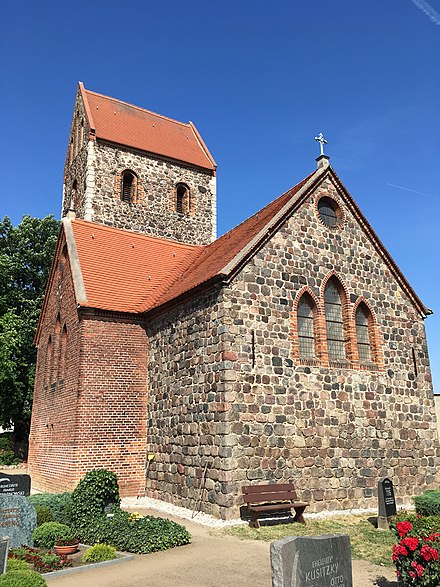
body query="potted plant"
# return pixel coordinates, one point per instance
(67, 543)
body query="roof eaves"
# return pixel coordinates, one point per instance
(87, 107)
(78, 281)
(203, 145)
(247, 249)
(380, 247)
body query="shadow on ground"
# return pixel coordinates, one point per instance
(384, 582)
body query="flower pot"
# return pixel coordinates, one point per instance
(64, 550)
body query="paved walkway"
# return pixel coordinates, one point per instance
(213, 559)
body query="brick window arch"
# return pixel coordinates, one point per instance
(49, 358)
(128, 186)
(363, 333)
(306, 315)
(74, 196)
(182, 198)
(369, 347)
(334, 319)
(63, 354)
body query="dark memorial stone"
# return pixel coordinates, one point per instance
(18, 519)
(312, 561)
(4, 548)
(387, 503)
(15, 484)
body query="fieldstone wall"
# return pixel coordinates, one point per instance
(229, 398)
(187, 427)
(153, 211)
(75, 168)
(333, 430)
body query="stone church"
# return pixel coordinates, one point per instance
(292, 348)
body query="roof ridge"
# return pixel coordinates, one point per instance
(187, 124)
(136, 234)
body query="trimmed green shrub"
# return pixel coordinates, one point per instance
(428, 504)
(141, 536)
(15, 564)
(93, 493)
(23, 578)
(44, 514)
(7, 457)
(60, 505)
(47, 535)
(99, 553)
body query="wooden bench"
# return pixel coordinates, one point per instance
(272, 498)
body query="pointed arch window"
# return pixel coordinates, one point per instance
(182, 198)
(334, 321)
(49, 352)
(306, 330)
(363, 321)
(128, 187)
(63, 354)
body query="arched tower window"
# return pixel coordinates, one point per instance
(334, 321)
(363, 329)
(128, 187)
(182, 198)
(306, 331)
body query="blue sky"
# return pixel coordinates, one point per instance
(260, 79)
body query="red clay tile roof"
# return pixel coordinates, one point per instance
(123, 270)
(125, 124)
(129, 272)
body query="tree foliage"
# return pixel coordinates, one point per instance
(26, 253)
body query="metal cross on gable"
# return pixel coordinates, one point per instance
(321, 140)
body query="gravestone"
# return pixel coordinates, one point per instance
(18, 519)
(4, 548)
(386, 503)
(312, 561)
(15, 484)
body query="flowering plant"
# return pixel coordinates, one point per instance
(43, 562)
(416, 558)
(69, 541)
(135, 516)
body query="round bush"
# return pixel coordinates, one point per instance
(15, 564)
(48, 534)
(93, 493)
(99, 553)
(23, 578)
(428, 504)
(60, 505)
(44, 515)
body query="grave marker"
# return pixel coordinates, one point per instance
(15, 484)
(4, 548)
(386, 503)
(18, 519)
(312, 561)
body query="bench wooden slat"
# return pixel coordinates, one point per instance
(276, 506)
(271, 496)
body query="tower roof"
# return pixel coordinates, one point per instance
(125, 124)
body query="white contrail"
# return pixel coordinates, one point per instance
(393, 185)
(430, 12)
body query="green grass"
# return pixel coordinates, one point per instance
(367, 543)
